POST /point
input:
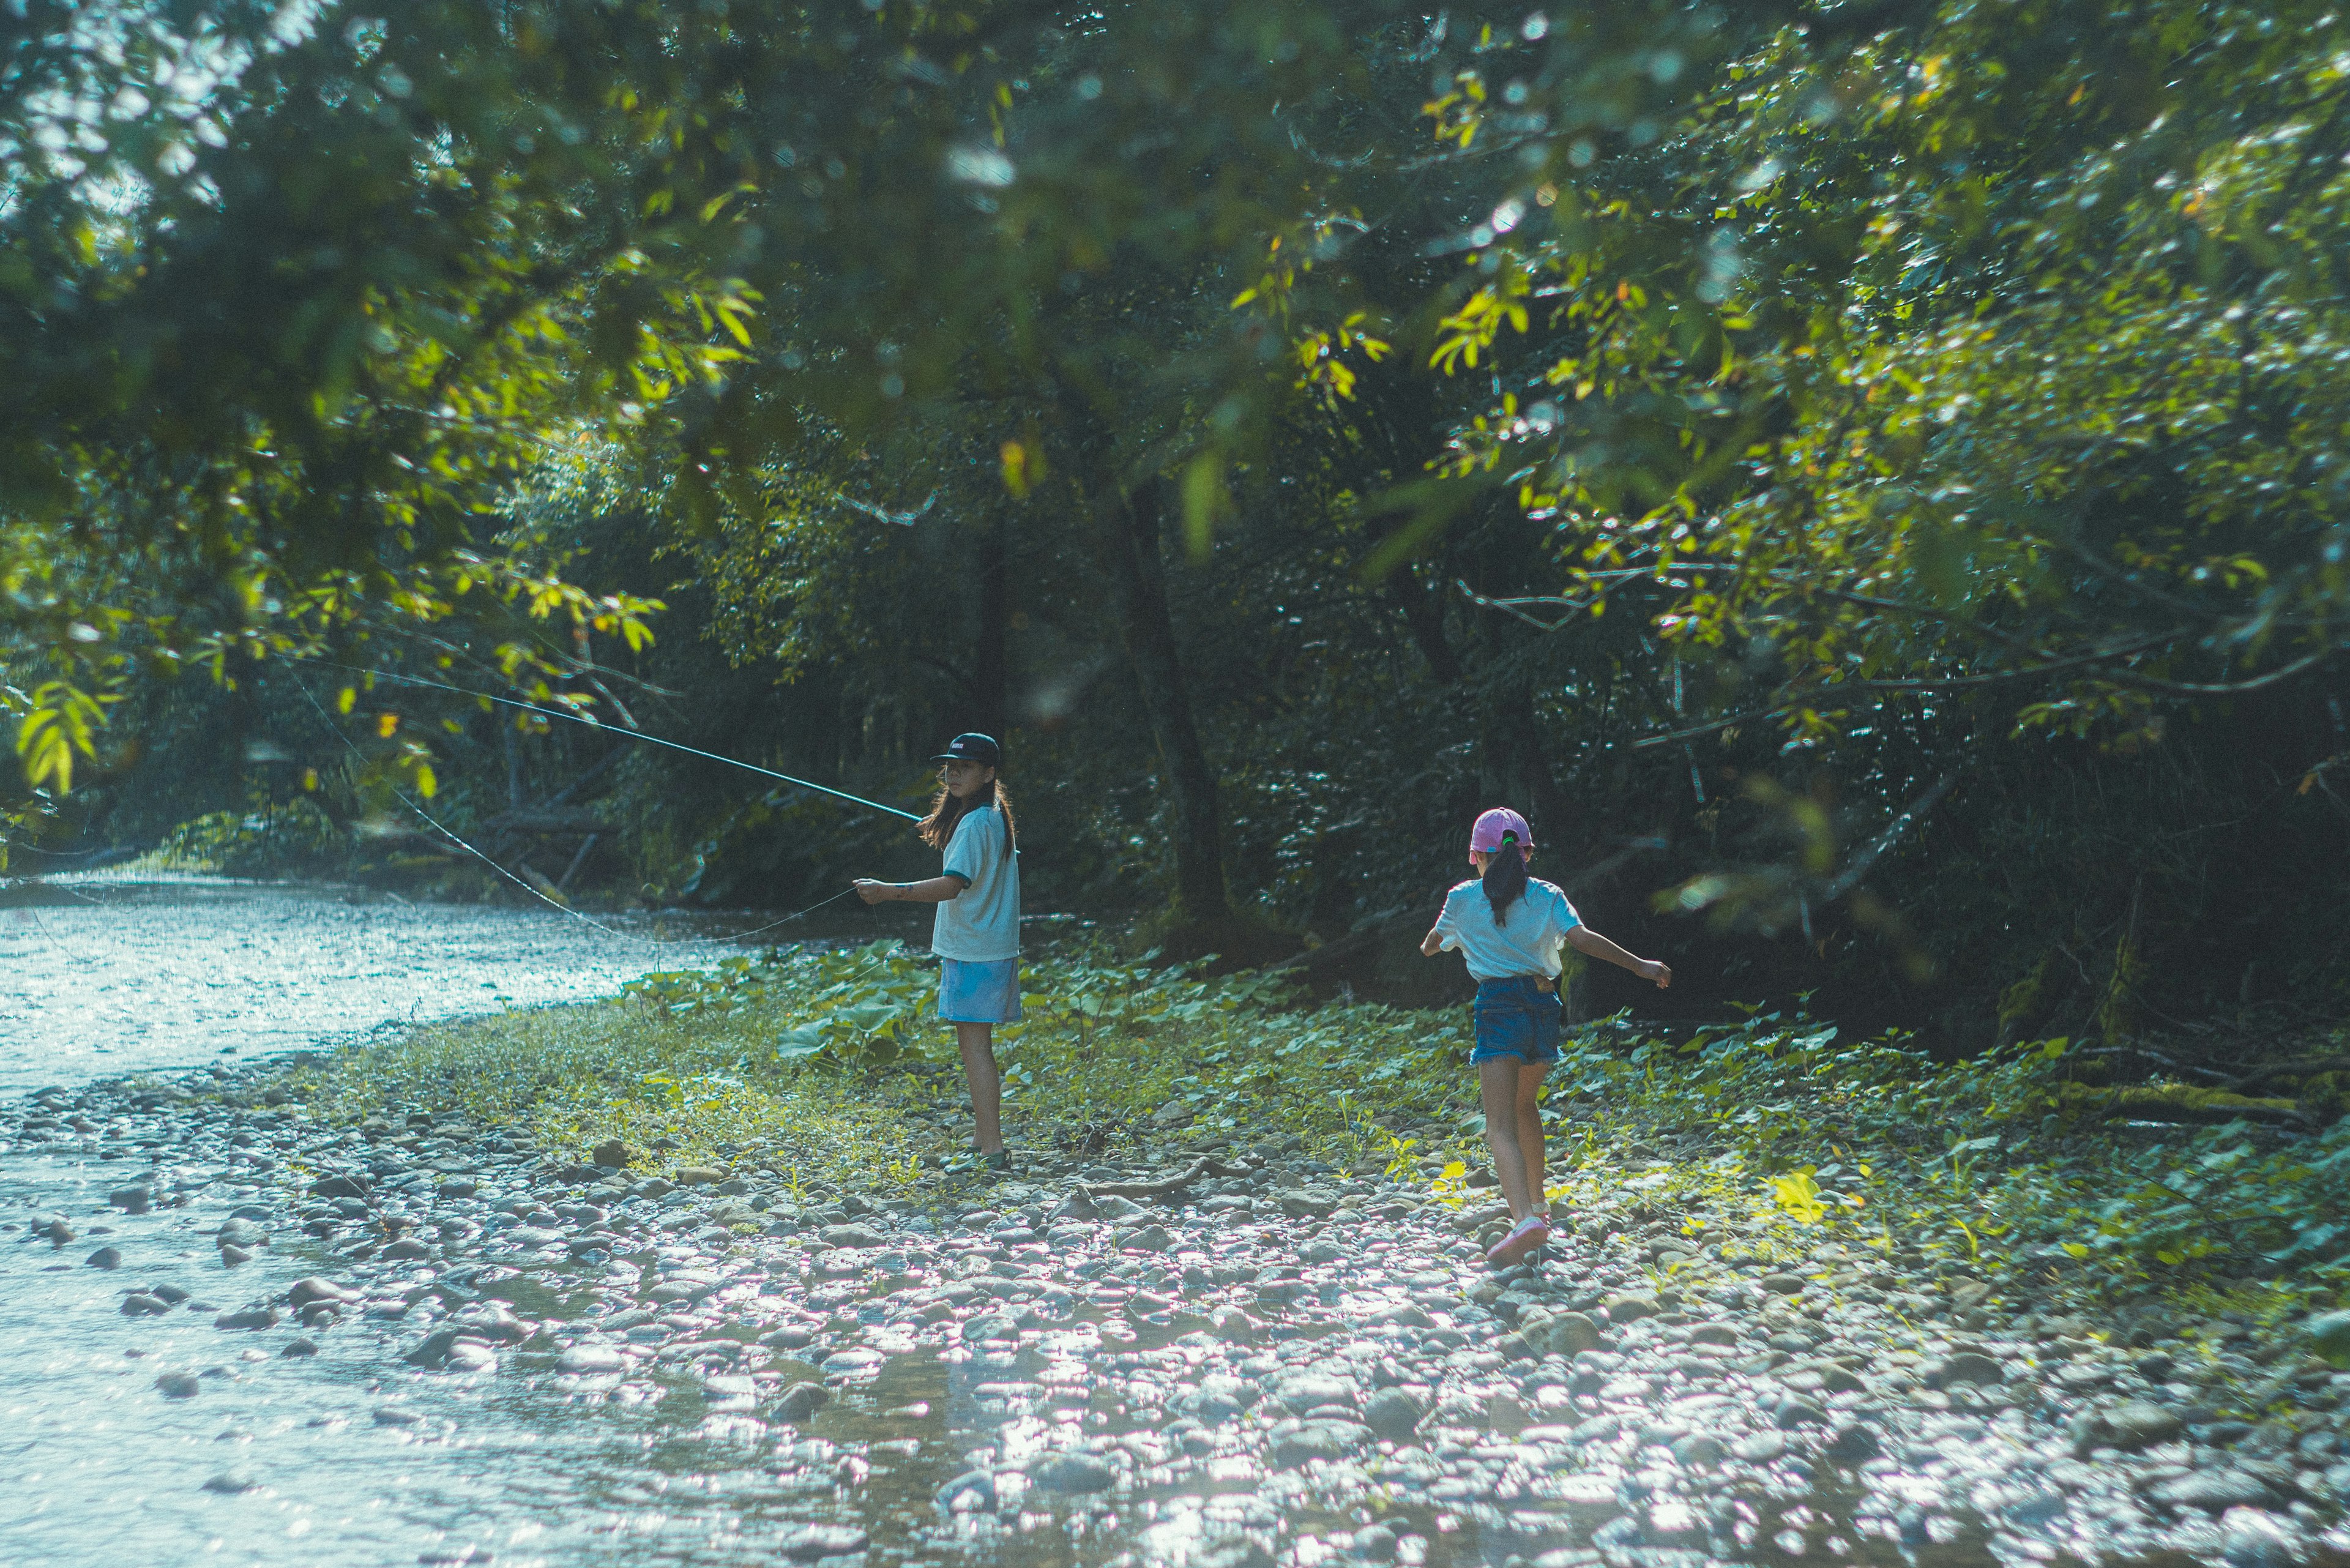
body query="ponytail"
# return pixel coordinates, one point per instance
(1505, 877)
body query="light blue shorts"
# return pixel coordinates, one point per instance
(979, 992)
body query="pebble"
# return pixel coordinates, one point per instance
(230, 1483)
(1072, 1472)
(104, 1257)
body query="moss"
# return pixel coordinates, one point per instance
(2175, 1102)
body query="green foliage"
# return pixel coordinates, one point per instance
(291, 839)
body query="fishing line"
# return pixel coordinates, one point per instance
(594, 723)
(452, 835)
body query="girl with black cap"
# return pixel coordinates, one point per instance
(976, 932)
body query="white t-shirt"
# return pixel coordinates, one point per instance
(982, 923)
(1534, 928)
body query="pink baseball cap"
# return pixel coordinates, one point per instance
(1486, 836)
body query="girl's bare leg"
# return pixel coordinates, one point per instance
(1529, 1133)
(977, 1043)
(1497, 1086)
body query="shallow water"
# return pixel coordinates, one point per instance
(105, 975)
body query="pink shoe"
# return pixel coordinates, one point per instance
(1524, 1236)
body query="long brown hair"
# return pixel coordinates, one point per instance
(946, 811)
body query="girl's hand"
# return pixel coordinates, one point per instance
(1662, 974)
(874, 892)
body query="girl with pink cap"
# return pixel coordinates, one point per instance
(1511, 928)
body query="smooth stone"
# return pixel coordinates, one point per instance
(178, 1386)
(248, 1317)
(2140, 1424)
(229, 1483)
(1395, 1414)
(299, 1348)
(2213, 1490)
(580, 1360)
(1700, 1451)
(231, 1255)
(1965, 1366)
(104, 1257)
(397, 1415)
(1630, 1307)
(802, 1400)
(1318, 1439)
(1793, 1413)
(1760, 1449)
(133, 1199)
(803, 1542)
(1072, 1472)
(1855, 1443)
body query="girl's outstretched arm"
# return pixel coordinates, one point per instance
(933, 890)
(1585, 940)
(1431, 944)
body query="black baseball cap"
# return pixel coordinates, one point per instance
(973, 747)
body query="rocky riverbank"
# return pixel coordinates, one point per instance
(1237, 1356)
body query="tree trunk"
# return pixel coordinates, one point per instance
(991, 660)
(1130, 524)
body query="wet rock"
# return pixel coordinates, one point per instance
(1855, 1443)
(178, 1386)
(1567, 1333)
(139, 1304)
(802, 1400)
(2140, 1424)
(1149, 1239)
(1375, 1543)
(55, 1231)
(2329, 1336)
(1395, 1414)
(1072, 1472)
(853, 1236)
(406, 1250)
(310, 1291)
(432, 1353)
(1316, 1439)
(1241, 1551)
(230, 1483)
(134, 1199)
(805, 1543)
(971, 1492)
(1700, 1451)
(993, 1326)
(1760, 1449)
(339, 1186)
(1793, 1412)
(1237, 1327)
(299, 1349)
(1302, 1391)
(585, 1360)
(398, 1416)
(2213, 1490)
(251, 1317)
(231, 1255)
(1965, 1366)
(104, 1257)
(241, 1234)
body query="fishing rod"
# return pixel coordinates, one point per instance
(556, 904)
(596, 723)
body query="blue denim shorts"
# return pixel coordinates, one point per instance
(1516, 1019)
(979, 992)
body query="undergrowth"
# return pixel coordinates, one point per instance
(828, 1066)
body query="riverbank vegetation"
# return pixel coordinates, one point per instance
(2019, 1172)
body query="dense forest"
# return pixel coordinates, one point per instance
(1867, 480)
